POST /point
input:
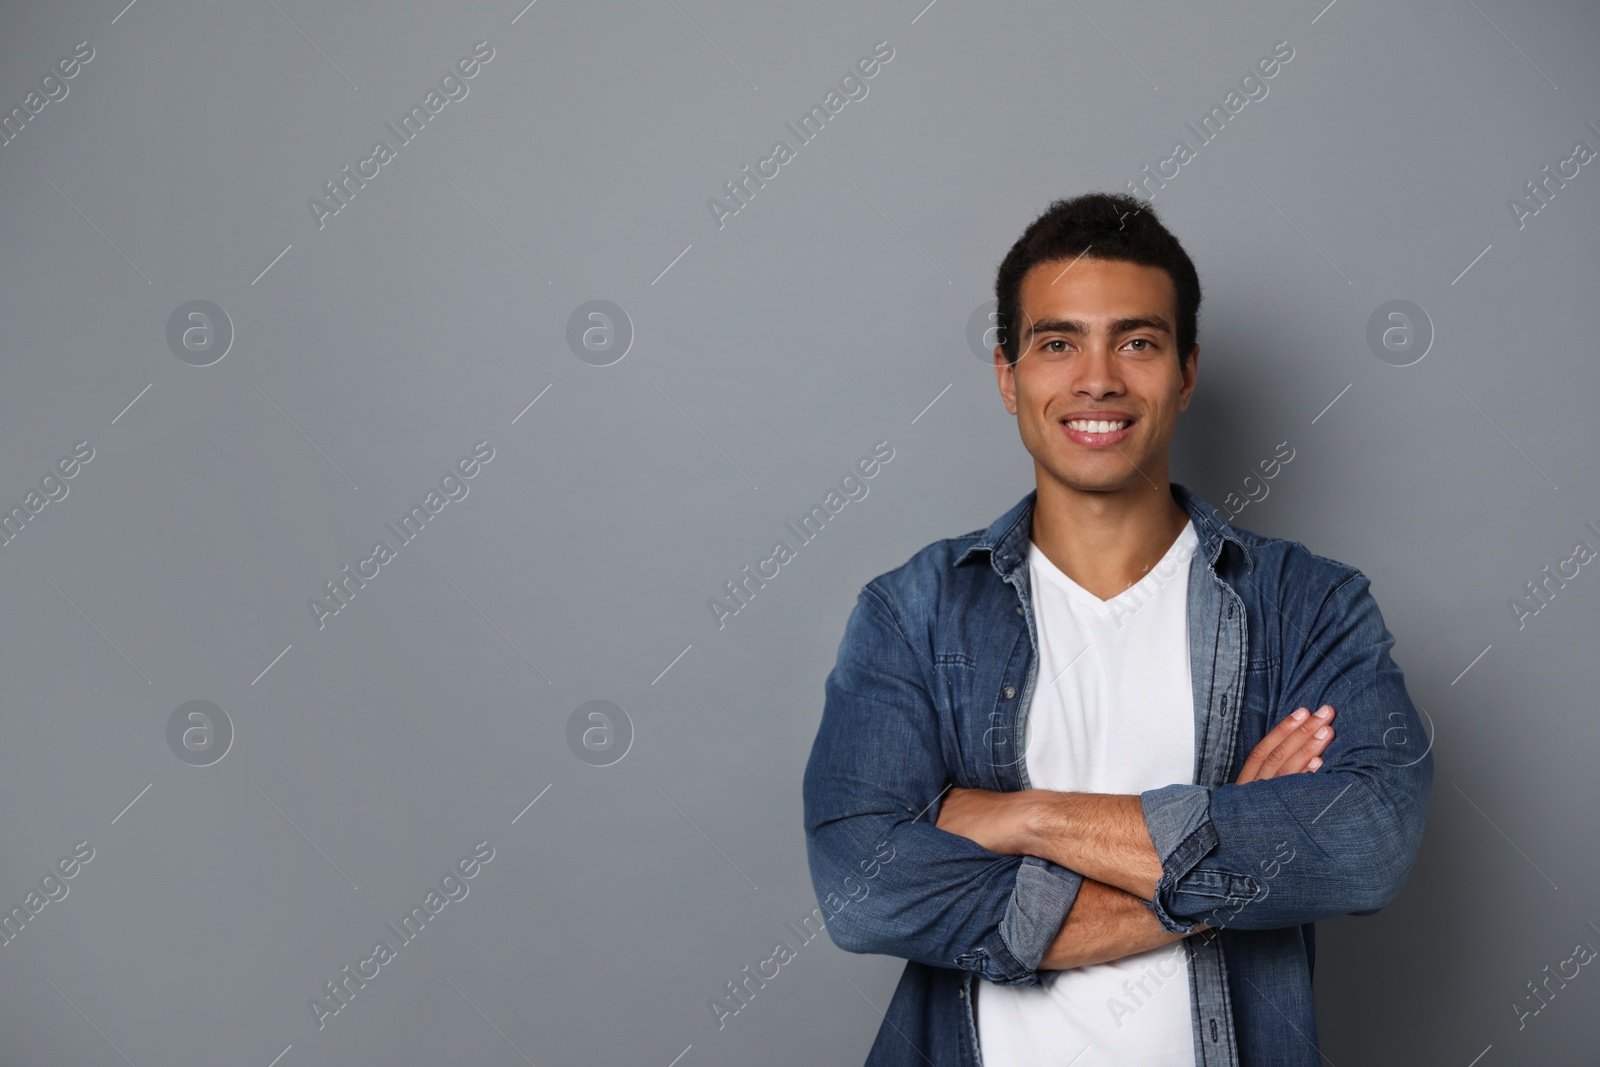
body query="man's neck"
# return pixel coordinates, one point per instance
(1106, 541)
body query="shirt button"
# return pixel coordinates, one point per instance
(962, 993)
(1009, 691)
(1019, 609)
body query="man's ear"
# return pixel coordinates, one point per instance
(1006, 376)
(1190, 370)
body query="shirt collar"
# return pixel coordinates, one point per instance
(1006, 539)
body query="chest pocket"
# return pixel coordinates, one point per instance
(1261, 681)
(967, 729)
(983, 702)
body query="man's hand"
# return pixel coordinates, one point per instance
(993, 820)
(1292, 746)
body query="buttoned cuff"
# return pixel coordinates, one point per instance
(1179, 820)
(1042, 897)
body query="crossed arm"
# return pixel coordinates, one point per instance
(1105, 838)
(1007, 885)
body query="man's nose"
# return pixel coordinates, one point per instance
(1097, 374)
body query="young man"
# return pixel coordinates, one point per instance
(1066, 766)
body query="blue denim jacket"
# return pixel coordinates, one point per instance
(931, 688)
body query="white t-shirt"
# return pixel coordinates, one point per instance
(1112, 712)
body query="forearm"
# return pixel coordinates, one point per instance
(1286, 851)
(1290, 849)
(897, 886)
(1102, 836)
(1105, 923)
(887, 880)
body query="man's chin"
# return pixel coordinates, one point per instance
(1100, 479)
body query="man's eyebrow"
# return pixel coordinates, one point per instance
(1074, 326)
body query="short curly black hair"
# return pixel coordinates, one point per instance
(1111, 226)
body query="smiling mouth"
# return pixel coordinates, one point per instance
(1097, 433)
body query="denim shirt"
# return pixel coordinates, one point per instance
(931, 688)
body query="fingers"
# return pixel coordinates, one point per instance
(1275, 737)
(1268, 744)
(1292, 746)
(1304, 743)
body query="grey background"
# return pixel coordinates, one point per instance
(829, 314)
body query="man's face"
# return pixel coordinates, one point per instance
(1097, 342)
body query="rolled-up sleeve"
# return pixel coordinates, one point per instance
(871, 789)
(1301, 847)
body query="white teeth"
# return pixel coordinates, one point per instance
(1094, 426)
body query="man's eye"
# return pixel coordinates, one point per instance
(1140, 341)
(1058, 341)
